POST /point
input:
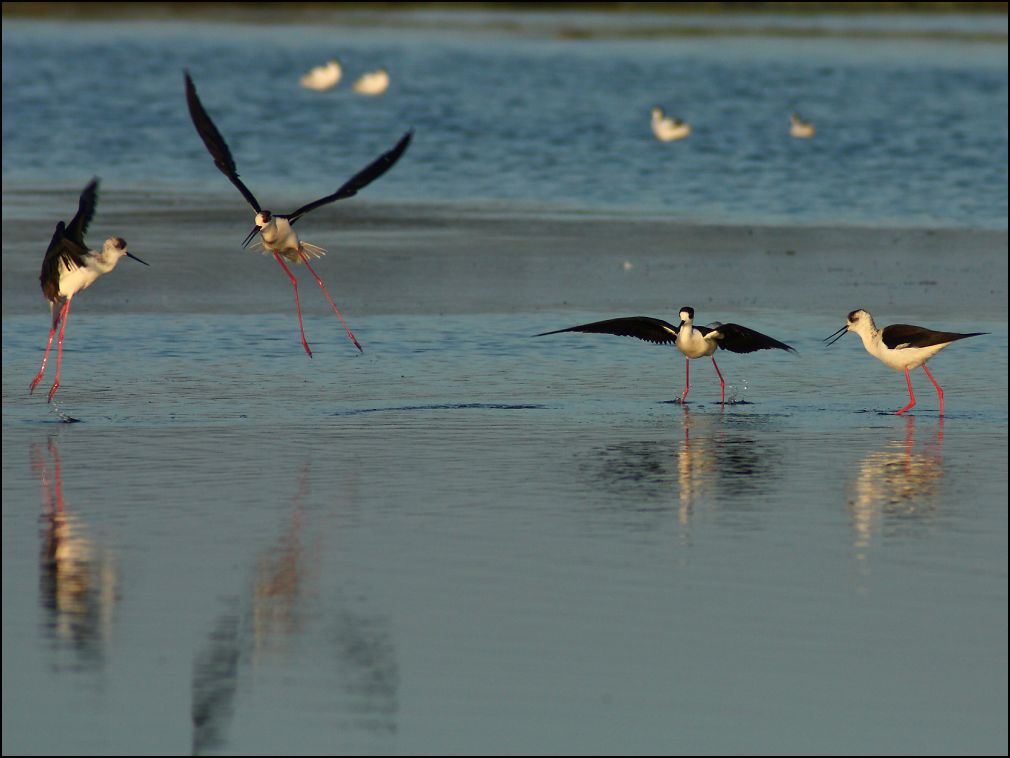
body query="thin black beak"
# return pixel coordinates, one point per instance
(837, 336)
(131, 255)
(248, 237)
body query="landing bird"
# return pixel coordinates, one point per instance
(275, 229)
(799, 128)
(373, 83)
(322, 77)
(900, 346)
(668, 129)
(69, 267)
(693, 341)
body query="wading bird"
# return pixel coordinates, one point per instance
(693, 341)
(799, 128)
(69, 267)
(277, 235)
(899, 346)
(322, 77)
(373, 83)
(668, 129)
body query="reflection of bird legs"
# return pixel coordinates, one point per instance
(52, 494)
(937, 444)
(895, 483)
(280, 575)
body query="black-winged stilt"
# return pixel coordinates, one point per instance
(693, 341)
(799, 128)
(668, 129)
(322, 77)
(373, 83)
(69, 267)
(899, 346)
(275, 229)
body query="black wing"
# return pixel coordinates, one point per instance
(906, 335)
(740, 339)
(360, 180)
(645, 328)
(61, 249)
(85, 212)
(215, 143)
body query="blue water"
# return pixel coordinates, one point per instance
(911, 132)
(467, 540)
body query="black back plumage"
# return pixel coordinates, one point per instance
(906, 335)
(643, 327)
(67, 245)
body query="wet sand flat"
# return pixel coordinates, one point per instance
(458, 259)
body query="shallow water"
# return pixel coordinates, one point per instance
(466, 539)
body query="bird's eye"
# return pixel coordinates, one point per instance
(119, 242)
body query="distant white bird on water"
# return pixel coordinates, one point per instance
(322, 77)
(69, 267)
(668, 129)
(372, 83)
(799, 128)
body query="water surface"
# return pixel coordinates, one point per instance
(467, 540)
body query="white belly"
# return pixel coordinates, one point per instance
(908, 357)
(73, 280)
(693, 345)
(279, 237)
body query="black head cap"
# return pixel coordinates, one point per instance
(688, 310)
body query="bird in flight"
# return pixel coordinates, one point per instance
(276, 230)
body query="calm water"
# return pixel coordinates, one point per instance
(466, 539)
(910, 132)
(470, 540)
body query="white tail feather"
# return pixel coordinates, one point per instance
(311, 250)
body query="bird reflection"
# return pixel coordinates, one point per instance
(281, 574)
(215, 683)
(368, 671)
(718, 463)
(276, 618)
(897, 486)
(78, 578)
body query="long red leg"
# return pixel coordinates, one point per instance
(687, 379)
(49, 344)
(305, 260)
(722, 382)
(298, 305)
(64, 314)
(939, 392)
(911, 395)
